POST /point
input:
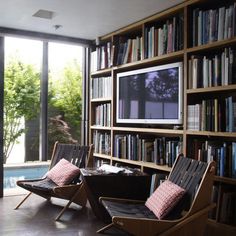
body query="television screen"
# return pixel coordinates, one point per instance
(150, 95)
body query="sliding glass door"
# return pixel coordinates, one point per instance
(42, 104)
(23, 60)
(65, 94)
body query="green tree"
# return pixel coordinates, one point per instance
(66, 96)
(21, 100)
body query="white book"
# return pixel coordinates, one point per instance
(94, 61)
(195, 70)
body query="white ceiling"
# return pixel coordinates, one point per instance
(87, 19)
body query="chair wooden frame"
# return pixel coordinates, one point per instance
(192, 222)
(74, 192)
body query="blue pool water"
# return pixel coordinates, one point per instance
(12, 174)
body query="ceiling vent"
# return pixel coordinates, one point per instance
(44, 14)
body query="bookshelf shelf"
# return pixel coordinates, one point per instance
(209, 133)
(96, 100)
(213, 45)
(219, 89)
(215, 95)
(149, 130)
(101, 72)
(158, 167)
(103, 156)
(96, 127)
(123, 160)
(225, 180)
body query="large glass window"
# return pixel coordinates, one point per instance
(65, 94)
(23, 105)
(23, 60)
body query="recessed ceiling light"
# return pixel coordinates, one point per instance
(44, 14)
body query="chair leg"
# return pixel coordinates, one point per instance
(63, 210)
(22, 201)
(102, 230)
(68, 204)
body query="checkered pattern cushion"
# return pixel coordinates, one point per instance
(164, 198)
(63, 172)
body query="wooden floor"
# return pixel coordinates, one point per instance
(36, 218)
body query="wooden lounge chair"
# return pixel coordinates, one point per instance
(80, 156)
(188, 217)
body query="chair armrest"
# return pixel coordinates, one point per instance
(30, 180)
(120, 200)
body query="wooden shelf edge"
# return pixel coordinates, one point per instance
(94, 127)
(212, 89)
(149, 130)
(103, 156)
(100, 100)
(211, 133)
(226, 180)
(137, 163)
(100, 72)
(157, 167)
(216, 44)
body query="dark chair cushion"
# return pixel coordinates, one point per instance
(44, 184)
(128, 209)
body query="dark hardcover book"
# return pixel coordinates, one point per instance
(233, 61)
(223, 160)
(214, 198)
(194, 27)
(233, 160)
(146, 30)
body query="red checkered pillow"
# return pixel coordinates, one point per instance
(63, 172)
(165, 197)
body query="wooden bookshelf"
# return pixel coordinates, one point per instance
(212, 47)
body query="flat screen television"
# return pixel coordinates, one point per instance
(150, 96)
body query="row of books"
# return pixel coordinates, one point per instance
(165, 39)
(224, 154)
(101, 87)
(210, 71)
(103, 115)
(228, 208)
(101, 58)
(217, 115)
(161, 151)
(226, 211)
(156, 180)
(102, 142)
(213, 25)
(128, 50)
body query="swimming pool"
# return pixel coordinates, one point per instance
(26, 171)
